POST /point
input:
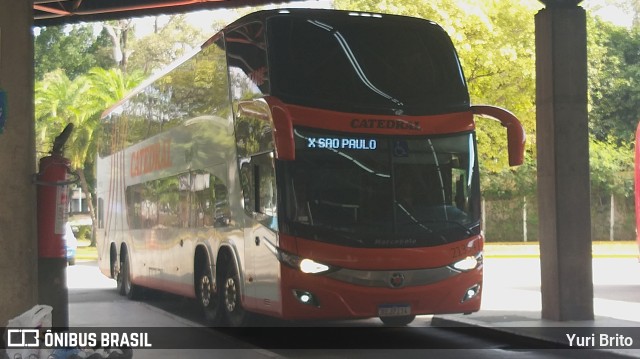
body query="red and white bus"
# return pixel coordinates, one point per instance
(303, 164)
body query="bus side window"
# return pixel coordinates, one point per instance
(221, 209)
(247, 61)
(246, 182)
(259, 189)
(254, 130)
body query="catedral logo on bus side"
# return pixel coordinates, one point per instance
(151, 158)
(386, 124)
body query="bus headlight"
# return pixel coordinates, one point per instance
(305, 265)
(313, 267)
(469, 263)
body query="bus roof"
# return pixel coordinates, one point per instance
(263, 15)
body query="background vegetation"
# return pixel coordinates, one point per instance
(83, 69)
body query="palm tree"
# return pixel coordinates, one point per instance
(59, 101)
(53, 96)
(107, 88)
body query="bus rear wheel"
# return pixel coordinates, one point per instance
(208, 295)
(117, 274)
(398, 321)
(125, 286)
(232, 303)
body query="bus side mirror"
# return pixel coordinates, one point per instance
(516, 136)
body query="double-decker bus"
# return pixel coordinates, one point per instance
(302, 164)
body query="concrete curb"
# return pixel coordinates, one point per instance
(618, 249)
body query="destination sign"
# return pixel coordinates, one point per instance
(342, 143)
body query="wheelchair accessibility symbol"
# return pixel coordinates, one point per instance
(401, 148)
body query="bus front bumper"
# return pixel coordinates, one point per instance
(378, 293)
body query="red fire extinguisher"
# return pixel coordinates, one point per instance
(52, 181)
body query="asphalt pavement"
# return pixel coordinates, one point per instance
(616, 321)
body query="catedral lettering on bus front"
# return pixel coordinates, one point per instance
(304, 164)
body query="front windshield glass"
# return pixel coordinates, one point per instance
(382, 191)
(376, 65)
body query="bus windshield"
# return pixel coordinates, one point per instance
(372, 65)
(382, 191)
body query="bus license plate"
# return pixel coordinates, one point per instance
(394, 310)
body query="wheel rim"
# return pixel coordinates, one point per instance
(207, 289)
(231, 295)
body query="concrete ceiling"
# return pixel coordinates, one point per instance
(59, 12)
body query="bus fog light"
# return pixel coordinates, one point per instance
(472, 292)
(306, 297)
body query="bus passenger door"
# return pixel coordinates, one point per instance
(262, 279)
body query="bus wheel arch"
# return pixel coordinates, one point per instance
(206, 285)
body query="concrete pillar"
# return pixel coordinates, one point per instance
(563, 162)
(18, 246)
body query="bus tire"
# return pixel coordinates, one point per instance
(398, 321)
(127, 288)
(117, 275)
(235, 314)
(208, 295)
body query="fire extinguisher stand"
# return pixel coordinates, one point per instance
(52, 181)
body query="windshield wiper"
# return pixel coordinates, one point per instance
(429, 225)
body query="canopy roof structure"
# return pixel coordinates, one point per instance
(59, 12)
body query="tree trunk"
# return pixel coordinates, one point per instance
(92, 212)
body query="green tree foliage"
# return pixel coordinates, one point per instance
(614, 88)
(166, 43)
(60, 101)
(57, 100)
(613, 115)
(74, 49)
(611, 167)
